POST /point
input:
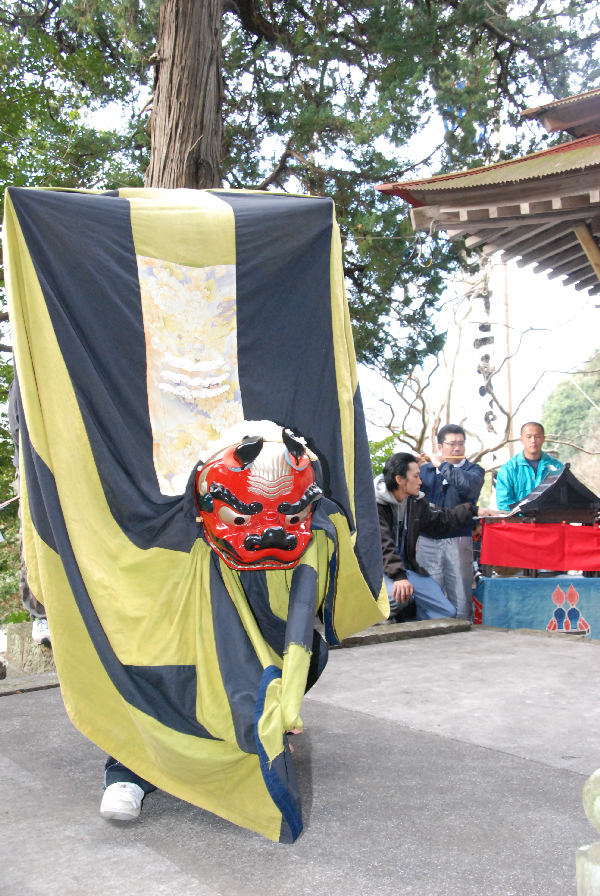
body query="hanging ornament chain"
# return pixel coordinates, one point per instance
(416, 249)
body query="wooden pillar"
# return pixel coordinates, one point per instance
(589, 246)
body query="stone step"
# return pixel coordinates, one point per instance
(22, 684)
(401, 631)
(23, 655)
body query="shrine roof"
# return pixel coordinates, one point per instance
(575, 156)
(579, 115)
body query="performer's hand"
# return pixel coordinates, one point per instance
(437, 460)
(423, 459)
(402, 591)
(489, 511)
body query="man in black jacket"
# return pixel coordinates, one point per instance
(449, 479)
(404, 513)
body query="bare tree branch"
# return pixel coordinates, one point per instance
(569, 444)
(280, 167)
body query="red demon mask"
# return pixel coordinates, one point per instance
(255, 502)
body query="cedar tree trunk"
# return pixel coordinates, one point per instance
(186, 122)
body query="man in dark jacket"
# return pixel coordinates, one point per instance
(404, 513)
(449, 479)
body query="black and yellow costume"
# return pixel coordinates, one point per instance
(184, 670)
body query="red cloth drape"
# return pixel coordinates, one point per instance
(541, 545)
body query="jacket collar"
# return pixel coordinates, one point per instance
(521, 459)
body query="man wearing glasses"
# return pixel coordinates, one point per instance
(449, 479)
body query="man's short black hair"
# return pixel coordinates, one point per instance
(450, 429)
(532, 423)
(397, 465)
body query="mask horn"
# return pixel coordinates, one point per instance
(248, 450)
(293, 445)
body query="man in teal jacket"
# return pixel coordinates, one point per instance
(521, 474)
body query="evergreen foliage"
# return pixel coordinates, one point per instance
(10, 570)
(568, 415)
(380, 451)
(320, 97)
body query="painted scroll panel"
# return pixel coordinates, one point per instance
(192, 368)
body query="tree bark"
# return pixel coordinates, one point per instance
(185, 123)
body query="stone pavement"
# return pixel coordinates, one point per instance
(438, 767)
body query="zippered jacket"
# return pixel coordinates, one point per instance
(452, 486)
(419, 517)
(516, 478)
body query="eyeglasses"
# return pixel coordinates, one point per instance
(454, 444)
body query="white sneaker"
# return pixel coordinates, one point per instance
(40, 633)
(122, 802)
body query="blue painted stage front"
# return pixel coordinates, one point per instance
(566, 604)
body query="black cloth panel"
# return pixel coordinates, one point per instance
(285, 334)
(83, 252)
(302, 607)
(254, 583)
(239, 665)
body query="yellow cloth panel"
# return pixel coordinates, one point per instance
(157, 624)
(212, 774)
(279, 591)
(345, 358)
(190, 227)
(354, 609)
(383, 601)
(270, 726)
(293, 683)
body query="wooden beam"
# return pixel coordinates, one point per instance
(422, 219)
(506, 237)
(536, 240)
(578, 276)
(589, 245)
(523, 235)
(594, 291)
(558, 258)
(473, 241)
(585, 284)
(574, 264)
(550, 217)
(539, 256)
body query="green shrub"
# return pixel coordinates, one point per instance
(10, 568)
